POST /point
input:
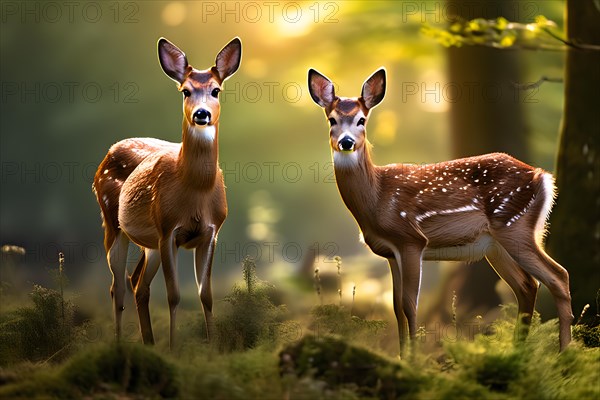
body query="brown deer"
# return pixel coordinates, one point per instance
(161, 195)
(491, 206)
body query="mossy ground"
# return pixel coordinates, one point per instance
(261, 351)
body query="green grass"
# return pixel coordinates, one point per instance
(317, 367)
(40, 332)
(335, 355)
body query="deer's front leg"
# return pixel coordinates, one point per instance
(411, 257)
(406, 277)
(168, 257)
(203, 259)
(396, 270)
(141, 290)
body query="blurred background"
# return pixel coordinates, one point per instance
(78, 77)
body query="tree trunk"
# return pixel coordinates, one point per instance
(486, 118)
(575, 223)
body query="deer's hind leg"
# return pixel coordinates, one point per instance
(526, 252)
(148, 266)
(522, 283)
(117, 262)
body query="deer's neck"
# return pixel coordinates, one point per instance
(358, 182)
(199, 156)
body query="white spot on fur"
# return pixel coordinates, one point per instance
(502, 205)
(522, 212)
(425, 215)
(428, 214)
(403, 214)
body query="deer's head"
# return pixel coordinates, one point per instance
(347, 116)
(200, 88)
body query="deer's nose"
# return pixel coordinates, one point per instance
(346, 143)
(202, 117)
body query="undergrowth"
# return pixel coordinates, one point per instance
(249, 317)
(331, 319)
(338, 356)
(43, 331)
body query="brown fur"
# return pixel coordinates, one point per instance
(163, 195)
(490, 205)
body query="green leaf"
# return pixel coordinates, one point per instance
(501, 23)
(507, 41)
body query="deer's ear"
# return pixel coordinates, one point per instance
(229, 58)
(172, 60)
(320, 88)
(373, 89)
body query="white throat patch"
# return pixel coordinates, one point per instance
(345, 159)
(206, 133)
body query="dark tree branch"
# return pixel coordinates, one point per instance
(536, 84)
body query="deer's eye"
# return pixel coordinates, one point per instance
(186, 93)
(361, 122)
(332, 121)
(215, 92)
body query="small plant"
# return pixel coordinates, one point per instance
(318, 285)
(585, 308)
(61, 281)
(42, 332)
(338, 263)
(251, 318)
(479, 319)
(353, 298)
(454, 298)
(588, 330)
(249, 273)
